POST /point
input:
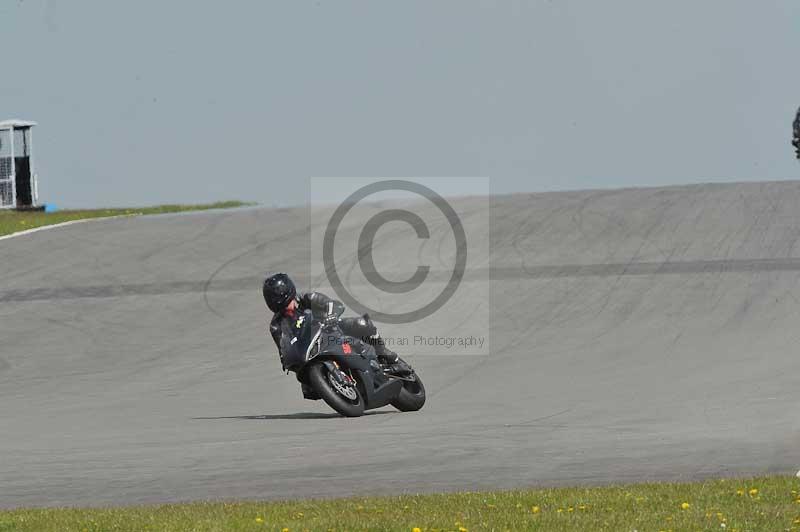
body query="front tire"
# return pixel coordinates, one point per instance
(318, 379)
(411, 396)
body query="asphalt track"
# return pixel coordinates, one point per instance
(636, 335)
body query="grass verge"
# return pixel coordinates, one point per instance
(769, 503)
(13, 221)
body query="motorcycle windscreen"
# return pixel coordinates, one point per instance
(332, 342)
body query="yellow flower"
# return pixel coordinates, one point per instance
(536, 509)
(462, 529)
(259, 520)
(570, 509)
(560, 510)
(284, 530)
(739, 492)
(685, 505)
(416, 529)
(753, 492)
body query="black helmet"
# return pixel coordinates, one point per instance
(278, 291)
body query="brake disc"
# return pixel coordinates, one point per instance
(347, 391)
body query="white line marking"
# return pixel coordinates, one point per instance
(63, 224)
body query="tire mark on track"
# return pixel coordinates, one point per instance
(249, 281)
(530, 422)
(504, 273)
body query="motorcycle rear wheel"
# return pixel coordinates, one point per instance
(411, 396)
(318, 379)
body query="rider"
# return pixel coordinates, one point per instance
(281, 297)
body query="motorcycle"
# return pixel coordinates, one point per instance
(349, 381)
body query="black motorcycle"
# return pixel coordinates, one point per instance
(346, 373)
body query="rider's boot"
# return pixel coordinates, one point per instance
(400, 368)
(385, 354)
(389, 358)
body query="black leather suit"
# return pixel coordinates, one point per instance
(358, 327)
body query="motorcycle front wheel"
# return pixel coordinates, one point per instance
(345, 400)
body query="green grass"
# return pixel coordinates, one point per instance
(13, 221)
(722, 505)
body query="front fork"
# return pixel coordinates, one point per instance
(342, 377)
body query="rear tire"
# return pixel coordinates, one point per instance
(318, 379)
(411, 396)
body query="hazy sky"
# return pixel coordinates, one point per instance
(161, 101)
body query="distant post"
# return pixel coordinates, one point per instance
(18, 182)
